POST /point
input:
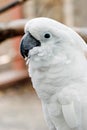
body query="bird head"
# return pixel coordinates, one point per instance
(45, 37)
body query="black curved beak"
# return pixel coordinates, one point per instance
(27, 43)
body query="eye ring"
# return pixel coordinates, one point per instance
(47, 35)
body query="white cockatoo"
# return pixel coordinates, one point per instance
(57, 65)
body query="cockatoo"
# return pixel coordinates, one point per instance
(57, 65)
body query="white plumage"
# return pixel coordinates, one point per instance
(58, 70)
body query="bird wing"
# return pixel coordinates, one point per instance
(71, 107)
(70, 115)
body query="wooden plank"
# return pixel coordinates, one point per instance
(9, 78)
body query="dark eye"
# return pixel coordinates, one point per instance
(47, 35)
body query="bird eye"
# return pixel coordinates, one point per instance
(47, 35)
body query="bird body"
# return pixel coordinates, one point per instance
(57, 66)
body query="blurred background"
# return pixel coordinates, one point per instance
(20, 108)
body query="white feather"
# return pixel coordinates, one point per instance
(59, 64)
(70, 115)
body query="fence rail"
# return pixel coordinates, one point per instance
(11, 5)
